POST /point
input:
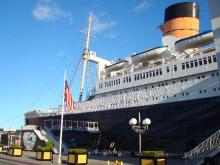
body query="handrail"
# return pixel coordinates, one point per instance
(204, 148)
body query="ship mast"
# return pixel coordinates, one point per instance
(85, 57)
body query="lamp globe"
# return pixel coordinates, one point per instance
(146, 121)
(133, 122)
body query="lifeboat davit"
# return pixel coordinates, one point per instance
(116, 66)
(149, 55)
(195, 41)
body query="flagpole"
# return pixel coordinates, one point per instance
(61, 124)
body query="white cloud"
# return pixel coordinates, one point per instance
(112, 36)
(46, 10)
(142, 5)
(100, 24)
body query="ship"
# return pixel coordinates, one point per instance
(176, 85)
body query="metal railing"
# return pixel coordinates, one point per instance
(198, 153)
(89, 126)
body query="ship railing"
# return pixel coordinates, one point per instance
(202, 150)
(54, 124)
(124, 100)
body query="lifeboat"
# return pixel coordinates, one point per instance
(149, 55)
(195, 41)
(116, 66)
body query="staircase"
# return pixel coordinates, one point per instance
(47, 132)
(45, 135)
(208, 148)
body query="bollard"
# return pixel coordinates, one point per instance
(116, 162)
(108, 163)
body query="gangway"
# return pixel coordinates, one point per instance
(208, 148)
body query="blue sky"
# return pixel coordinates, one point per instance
(40, 38)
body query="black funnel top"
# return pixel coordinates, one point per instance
(183, 9)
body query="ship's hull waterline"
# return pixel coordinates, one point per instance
(175, 127)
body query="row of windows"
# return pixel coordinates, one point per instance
(199, 62)
(148, 74)
(186, 65)
(112, 83)
(127, 79)
(167, 83)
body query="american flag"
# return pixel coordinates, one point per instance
(68, 98)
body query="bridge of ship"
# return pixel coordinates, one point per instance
(87, 126)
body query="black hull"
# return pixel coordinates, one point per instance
(175, 127)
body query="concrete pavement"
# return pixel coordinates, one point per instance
(28, 158)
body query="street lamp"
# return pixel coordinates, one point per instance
(139, 127)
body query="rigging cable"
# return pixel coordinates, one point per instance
(76, 72)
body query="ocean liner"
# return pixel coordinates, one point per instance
(176, 85)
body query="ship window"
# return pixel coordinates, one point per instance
(147, 74)
(174, 95)
(175, 68)
(160, 71)
(173, 82)
(187, 93)
(129, 78)
(219, 88)
(152, 86)
(214, 89)
(143, 75)
(166, 83)
(150, 74)
(162, 84)
(217, 74)
(214, 58)
(203, 76)
(183, 66)
(204, 60)
(196, 63)
(126, 79)
(200, 61)
(200, 91)
(181, 80)
(119, 81)
(213, 74)
(198, 77)
(168, 69)
(187, 65)
(205, 90)
(157, 72)
(154, 73)
(135, 77)
(138, 77)
(185, 79)
(209, 59)
(158, 85)
(182, 94)
(191, 64)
